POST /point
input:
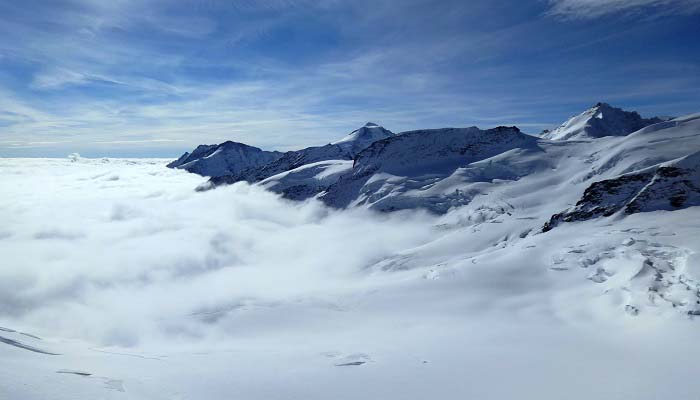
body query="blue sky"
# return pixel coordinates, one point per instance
(155, 78)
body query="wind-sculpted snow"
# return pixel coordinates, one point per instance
(150, 290)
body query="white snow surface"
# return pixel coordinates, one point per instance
(120, 282)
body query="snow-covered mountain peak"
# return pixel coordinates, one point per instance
(363, 137)
(600, 120)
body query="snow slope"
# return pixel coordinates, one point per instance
(308, 180)
(598, 121)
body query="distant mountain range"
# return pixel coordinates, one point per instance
(600, 163)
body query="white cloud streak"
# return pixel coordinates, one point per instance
(587, 9)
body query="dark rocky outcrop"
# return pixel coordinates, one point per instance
(667, 186)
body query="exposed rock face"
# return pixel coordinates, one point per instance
(667, 186)
(598, 121)
(224, 159)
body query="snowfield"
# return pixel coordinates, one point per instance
(120, 281)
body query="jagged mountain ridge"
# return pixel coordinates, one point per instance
(344, 149)
(252, 171)
(223, 159)
(441, 169)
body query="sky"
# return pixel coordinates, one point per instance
(155, 78)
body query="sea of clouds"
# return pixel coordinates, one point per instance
(116, 251)
(243, 292)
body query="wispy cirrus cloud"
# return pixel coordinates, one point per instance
(586, 9)
(286, 74)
